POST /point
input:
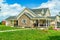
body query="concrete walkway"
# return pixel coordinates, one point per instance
(14, 30)
(20, 29)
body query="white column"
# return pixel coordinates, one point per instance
(38, 23)
(55, 24)
(6, 23)
(46, 23)
(13, 22)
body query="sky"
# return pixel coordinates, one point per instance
(14, 7)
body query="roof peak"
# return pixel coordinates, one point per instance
(41, 8)
(34, 8)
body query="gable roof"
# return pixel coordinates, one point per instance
(29, 15)
(33, 12)
(39, 11)
(34, 15)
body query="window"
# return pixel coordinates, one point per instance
(24, 21)
(42, 12)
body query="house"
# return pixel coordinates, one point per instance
(34, 18)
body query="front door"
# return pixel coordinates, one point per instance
(36, 23)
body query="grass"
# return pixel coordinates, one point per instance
(3, 27)
(32, 34)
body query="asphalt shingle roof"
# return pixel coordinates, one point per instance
(52, 17)
(40, 11)
(11, 18)
(36, 11)
(29, 15)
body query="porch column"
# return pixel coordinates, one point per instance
(38, 23)
(55, 23)
(13, 22)
(33, 23)
(46, 23)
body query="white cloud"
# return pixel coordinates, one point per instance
(1, 1)
(9, 10)
(14, 9)
(53, 5)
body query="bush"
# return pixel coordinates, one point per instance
(0, 23)
(51, 27)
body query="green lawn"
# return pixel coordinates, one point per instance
(3, 27)
(32, 34)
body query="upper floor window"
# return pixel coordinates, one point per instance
(42, 12)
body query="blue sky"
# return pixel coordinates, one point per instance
(27, 3)
(14, 7)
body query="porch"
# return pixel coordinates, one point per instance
(41, 23)
(14, 22)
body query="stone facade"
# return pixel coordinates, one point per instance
(28, 21)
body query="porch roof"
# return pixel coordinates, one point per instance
(12, 18)
(15, 17)
(50, 17)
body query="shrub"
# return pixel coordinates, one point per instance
(51, 27)
(0, 23)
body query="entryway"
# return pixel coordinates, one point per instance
(15, 22)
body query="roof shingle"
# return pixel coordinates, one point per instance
(39, 11)
(12, 18)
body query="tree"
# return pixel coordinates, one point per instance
(1, 23)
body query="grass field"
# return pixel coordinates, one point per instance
(32, 34)
(3, 27)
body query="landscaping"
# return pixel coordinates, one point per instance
(3, 27)
(32, 34)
